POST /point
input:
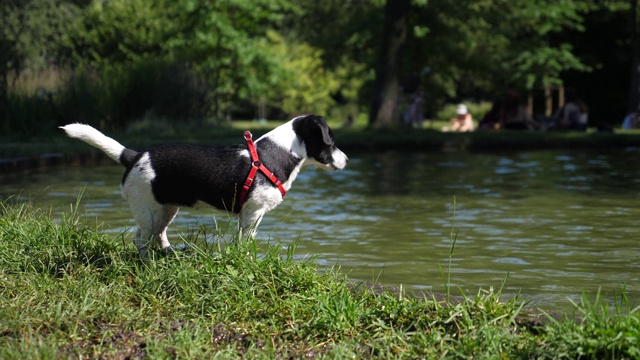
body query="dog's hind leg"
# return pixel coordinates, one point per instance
(153, 221)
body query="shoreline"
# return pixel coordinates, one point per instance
(54, 154)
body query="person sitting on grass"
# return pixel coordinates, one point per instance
(494, 118)
(574, 115)
(463, 122)
(516, 115)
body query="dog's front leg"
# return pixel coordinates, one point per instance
(249, 221)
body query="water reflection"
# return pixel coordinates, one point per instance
(554, 223)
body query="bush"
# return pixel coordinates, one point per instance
(121, 93)
(28, 114)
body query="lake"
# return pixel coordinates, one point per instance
(552, 223)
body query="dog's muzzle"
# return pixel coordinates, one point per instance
(340, 160)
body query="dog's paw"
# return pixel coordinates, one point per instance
(168, 251)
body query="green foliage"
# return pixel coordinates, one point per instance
(494, 45)
(223, 41)
(112, 32)
(349, 45)
(232, 56)
(537, 61)
(543, 66)
(32, 31)
(303, 81)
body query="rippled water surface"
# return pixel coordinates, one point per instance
(553, 223)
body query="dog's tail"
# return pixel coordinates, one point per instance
(93, 137)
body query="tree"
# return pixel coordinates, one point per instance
(221, 43)
(492, 45)
(303, 84)
(119, 31)
(30, 40)
(387, 84)
(224, 40)
(605, 45)
(348, 47)
(475, 47)
(225, 56)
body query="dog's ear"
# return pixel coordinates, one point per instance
(327, 136)
(310, 125)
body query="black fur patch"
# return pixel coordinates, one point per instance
(186, 174)
(278, 160)
(128, 157)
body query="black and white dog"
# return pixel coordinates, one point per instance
(248, 180)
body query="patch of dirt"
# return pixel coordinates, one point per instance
(122, 345)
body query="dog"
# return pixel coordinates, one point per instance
(246, 180)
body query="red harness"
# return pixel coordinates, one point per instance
(256, 166)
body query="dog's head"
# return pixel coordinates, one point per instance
(317, 138)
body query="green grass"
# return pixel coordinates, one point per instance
(69, 291)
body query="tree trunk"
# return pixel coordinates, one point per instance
(386, 91)
(634, 87)
(4, 81)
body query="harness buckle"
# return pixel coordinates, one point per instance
(247, 135)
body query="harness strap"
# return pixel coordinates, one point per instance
(256, 166)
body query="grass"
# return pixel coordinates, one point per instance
(69, 291)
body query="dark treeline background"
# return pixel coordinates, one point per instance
(111, 62)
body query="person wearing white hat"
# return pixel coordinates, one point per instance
(462, 122)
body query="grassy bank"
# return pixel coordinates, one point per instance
(67, 290)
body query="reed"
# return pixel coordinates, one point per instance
(453, 236)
